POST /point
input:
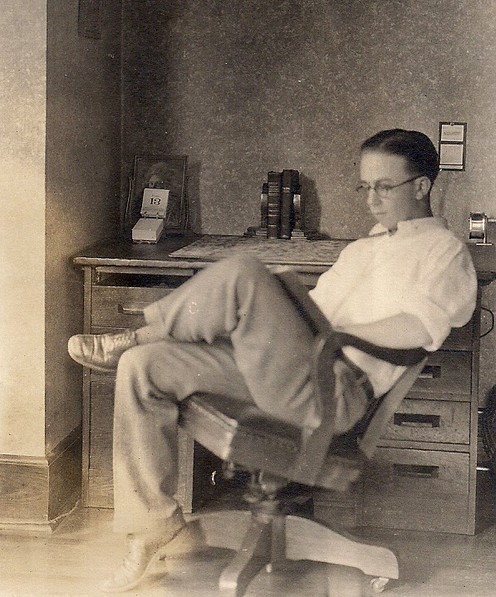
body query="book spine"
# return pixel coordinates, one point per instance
(295, 197)
(286, 204)
(263, 206)
(273, 204)
(298, 207)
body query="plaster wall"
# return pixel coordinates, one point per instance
(82, 185)
(60, 188)
(22, 227)
(246, 87)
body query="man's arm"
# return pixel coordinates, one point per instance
(399, 331)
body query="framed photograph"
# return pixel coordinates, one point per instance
(160, 172)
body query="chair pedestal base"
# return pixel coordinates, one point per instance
(262, 539)
(252, 556)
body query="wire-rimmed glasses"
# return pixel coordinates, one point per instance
(382, 189)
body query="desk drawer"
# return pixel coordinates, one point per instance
(461, 338)
(431, 421)
(446, 373)
(119, 307)
(417, 490)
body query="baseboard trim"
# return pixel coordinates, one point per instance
(38, 492)
(33, 527)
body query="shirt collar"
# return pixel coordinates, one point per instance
(417, 224)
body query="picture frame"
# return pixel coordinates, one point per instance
(160, 172)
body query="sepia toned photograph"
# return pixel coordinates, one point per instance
(161, 172)
(248, 298)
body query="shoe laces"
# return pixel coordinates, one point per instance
(120, 341)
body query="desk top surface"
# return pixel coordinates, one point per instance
(198, 251)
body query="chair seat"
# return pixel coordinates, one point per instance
(240, 432)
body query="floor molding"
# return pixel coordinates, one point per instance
(38, 492)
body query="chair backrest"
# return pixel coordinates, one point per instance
(388, 406)
(308, 466)
(314, 455)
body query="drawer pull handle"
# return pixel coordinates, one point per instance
(430, 372)
(129, 310)
(416, 470)
(418, 421)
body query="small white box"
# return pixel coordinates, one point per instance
(148, 230)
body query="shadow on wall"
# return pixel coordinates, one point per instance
(194, 221)
(312, 206)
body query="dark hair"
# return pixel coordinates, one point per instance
(415, 147)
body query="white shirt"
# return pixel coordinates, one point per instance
(422, 269)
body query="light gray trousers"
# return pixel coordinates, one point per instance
(231, 329)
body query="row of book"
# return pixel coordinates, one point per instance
(281, 206)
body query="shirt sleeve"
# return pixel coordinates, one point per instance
(330, 281)
(445, 295)
(334, 285)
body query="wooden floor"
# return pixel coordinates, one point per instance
(83, 551)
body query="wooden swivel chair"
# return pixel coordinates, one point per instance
(279, 458)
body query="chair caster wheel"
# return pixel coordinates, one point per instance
(377, 585)
(351, 582)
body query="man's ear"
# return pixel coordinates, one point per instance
(424, 186)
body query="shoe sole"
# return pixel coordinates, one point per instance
(84, 363)
(181, 543)
(190, 539)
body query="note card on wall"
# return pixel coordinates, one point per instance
(452, 145)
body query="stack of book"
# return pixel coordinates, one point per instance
(281, 206)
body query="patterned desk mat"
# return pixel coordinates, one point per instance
(297, 252)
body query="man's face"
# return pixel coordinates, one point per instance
(379, 172)
(155, 182)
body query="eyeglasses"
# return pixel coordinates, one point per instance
(382, 189)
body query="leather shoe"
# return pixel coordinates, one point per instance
(143, 552)
(100, 351)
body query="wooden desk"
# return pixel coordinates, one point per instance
(425, 475)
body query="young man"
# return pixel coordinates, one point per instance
(404, 286)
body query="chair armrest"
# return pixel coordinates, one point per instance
(388, 406)
(315, 444)
(395, 356)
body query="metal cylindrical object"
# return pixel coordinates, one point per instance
(478, 227)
